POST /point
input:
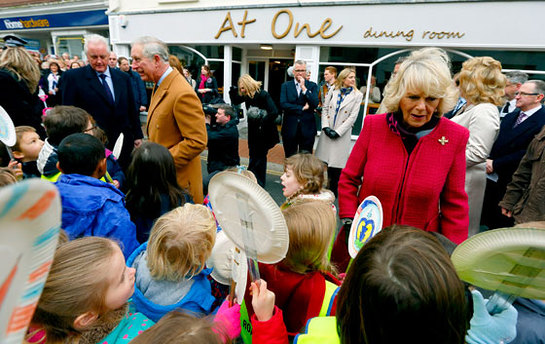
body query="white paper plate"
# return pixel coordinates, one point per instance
(240, 274)
(366, 224)
(7, 130)
(221, 259)
(30, 217)
(228, 191)
(510, 260)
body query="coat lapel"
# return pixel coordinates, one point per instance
(95, 84)
(158, 95)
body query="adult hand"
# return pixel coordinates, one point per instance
(506, 212)
(487, 328)
(142, 108)
(334, 134)
(262, 300)
(327, 131)
(137, 143)
(306, 107)
(489, 166)
(302, 84)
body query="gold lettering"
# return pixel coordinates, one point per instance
(224, 28)
(296, 32)
(442, 34)
(326, 25)
(391, 34)
(424, 34)
(273, 24)
(244, 22)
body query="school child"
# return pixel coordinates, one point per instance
(303, 179)
(304, 281)
(148, 198)
(115, 173)
(170, 270)
(60, 122)
(26, 150)
(91, 207)
(84, 299)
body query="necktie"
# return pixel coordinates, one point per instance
(298, 87)
(506, 108)
(522, 116)
(106, 88)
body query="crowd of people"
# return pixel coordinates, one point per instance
(138, 258)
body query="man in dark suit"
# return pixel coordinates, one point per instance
(517, 130)
(107, 95)
(298, 99)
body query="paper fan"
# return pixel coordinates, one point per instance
(7, 130)
(508, 260)
(366, 224)
(237, 202)
(30, 217)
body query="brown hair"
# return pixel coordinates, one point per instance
(332, 70)
(180, 242)
(180, 328)
(311, 226)
(402, 284)
(19, 131)
(481, 81)
(308, 170)
(175, 63)
(74, 286)
(7, 176)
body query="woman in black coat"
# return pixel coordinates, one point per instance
(262, 131)
(206, 86)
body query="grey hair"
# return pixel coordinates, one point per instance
(517, 77)
(300, 62)
(152, 46)
(539, 87)
(94, 38)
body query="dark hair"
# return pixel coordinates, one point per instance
(228, 110)
(62, 121)
(402, 288)
(80, 153)
(151, 174)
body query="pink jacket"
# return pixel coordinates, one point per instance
(424, 190)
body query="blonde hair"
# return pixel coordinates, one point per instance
(250, 85)
(481, 81)
(19, 62)
(77, 283)
(19, 131)
(180, 328)
(308, 170)
(7, 176)
(311, 226)
(428, 71)
(180, 242)
(342, 76)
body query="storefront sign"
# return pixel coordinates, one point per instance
(409, 34)
(88, 18)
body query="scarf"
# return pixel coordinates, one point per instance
(203, 81)
(342, 94)
(409, 135)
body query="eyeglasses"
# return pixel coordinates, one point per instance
(300, 70)
(526, 94)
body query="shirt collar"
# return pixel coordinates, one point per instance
(165, 74)
(532, 111)
(107, 72)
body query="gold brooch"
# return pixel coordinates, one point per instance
(443, 141)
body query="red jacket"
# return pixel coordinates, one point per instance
(424, 190)
(272, 331)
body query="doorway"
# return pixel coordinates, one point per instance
(272, 72)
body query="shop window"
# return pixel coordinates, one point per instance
(237, 54)
(211, 51)
(189, 59)
(235, 73)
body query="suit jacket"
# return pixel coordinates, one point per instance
(176, 121)
(511, 144)
(293, 104)
(81, 87)
(335, 152)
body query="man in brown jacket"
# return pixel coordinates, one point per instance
(525, 195)
(175, 115)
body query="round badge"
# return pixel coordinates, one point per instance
(367, 223)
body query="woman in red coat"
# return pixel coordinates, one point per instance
(410, 158)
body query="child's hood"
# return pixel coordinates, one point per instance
(86, 194)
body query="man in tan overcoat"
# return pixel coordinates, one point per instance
(175, 115)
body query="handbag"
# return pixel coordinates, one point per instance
(256, 114)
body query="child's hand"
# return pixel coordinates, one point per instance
(17, 169)
(262, 300)
(115, 183)
(227, 320)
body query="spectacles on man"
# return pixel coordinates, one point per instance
(526, 94)
(300, 70)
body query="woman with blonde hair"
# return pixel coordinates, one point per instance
(340, 110)
(482, 85)
(19, 78)
(410, 158)
(262, 131)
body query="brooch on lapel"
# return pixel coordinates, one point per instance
(443, 141)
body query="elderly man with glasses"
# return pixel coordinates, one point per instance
(517, 130)
(298, 99)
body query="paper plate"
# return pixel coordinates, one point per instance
(366, 224)
(118, 146)
(509, 260)
(240, 274)
(231, 193)
(7, 130)
(30, 217)
(221, 258)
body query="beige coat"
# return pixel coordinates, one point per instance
(335, 153)
(176, 121)
(483, 122)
